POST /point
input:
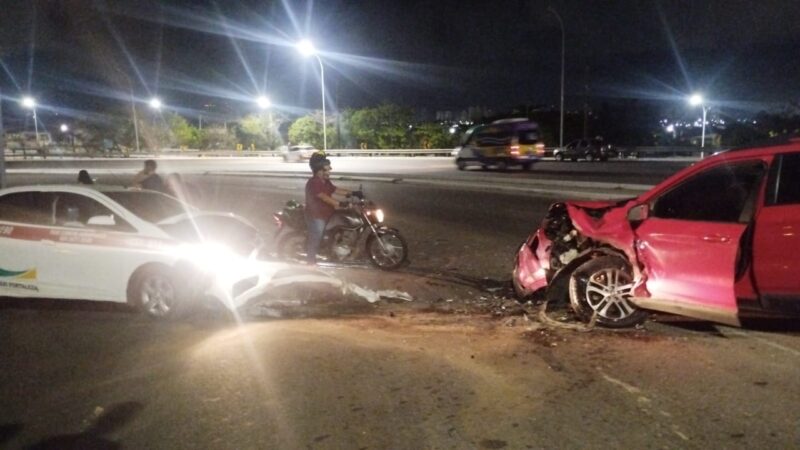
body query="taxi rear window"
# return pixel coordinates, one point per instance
(150, 206)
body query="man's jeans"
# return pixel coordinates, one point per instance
(316, 228)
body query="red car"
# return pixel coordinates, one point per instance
(718, 241)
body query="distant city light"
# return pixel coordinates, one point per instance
(64, 128)
(155, 103)
(670, 128)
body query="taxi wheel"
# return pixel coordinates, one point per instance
(154, 290)
(603, 287)
(461, 164)
(502, 166)
(559, 156)
(589, 157)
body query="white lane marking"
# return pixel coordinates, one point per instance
(765, 342)
(631, 389)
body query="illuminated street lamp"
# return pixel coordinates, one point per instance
(64, 128)
(695, 100)
(155, 103)
(30, 103)
(263, 102)
(306, 47)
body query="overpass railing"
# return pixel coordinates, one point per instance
(83, 152)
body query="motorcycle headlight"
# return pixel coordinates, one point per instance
(379, 215)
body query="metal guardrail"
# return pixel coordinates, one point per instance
(58, 152)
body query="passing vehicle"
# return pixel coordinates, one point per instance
(588, 149)
(297, 153)
(351, 236)
(500, 144)
(719, 241)
(109, 243)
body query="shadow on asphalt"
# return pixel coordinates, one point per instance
(117, 415)
(46, 304)
(8, 431)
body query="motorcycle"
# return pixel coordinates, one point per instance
(351, 235)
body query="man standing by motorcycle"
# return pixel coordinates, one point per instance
(320, 204)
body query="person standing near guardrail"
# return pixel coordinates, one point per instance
(147, 178)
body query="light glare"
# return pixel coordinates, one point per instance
(263, 102)
(155, 103)
(306, 47)
(29, 102)
(696, 99)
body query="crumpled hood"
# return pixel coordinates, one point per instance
(606, 222)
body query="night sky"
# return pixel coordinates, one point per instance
(436, 55)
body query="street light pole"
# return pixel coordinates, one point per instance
(561, 109)
(2, 146)
(30, 103)
(135, 120)
(703, 136)
(695, 100)
(307, 48)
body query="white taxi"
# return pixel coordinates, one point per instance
(109, 243)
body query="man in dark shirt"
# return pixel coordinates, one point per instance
(147, 178)
(320, 204)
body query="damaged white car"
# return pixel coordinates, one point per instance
(108, 243)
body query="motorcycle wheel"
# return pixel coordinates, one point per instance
(388, 250)
(292, 248)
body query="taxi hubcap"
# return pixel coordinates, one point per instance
(608, 293)
(158, 296)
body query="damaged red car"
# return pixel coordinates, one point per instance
(717, 241)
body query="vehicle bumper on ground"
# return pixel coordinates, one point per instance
(532, 264)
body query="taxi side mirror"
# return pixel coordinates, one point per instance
(639, 212)
(105, 221)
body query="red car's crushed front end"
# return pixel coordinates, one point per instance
(569, 233)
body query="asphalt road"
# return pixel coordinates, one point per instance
(459, 367)
(614, 171)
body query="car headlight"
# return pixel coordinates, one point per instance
(210, 257)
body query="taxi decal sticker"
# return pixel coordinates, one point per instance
(100, 238)
(29, 274)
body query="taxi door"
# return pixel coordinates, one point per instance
(87, 261)
(23, 225)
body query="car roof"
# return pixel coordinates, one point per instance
(74, 188)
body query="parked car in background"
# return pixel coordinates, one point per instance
(588, 149)
(718, 241)
(296, 153)
(108, 243)
(500, 144)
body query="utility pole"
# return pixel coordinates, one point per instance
(586, 104)
(2, 146)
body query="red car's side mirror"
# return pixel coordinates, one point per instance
(639, 212)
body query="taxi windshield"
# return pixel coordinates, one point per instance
(150, 206)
